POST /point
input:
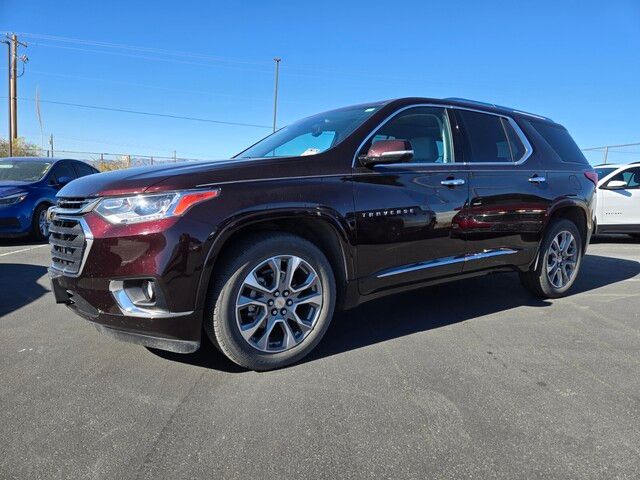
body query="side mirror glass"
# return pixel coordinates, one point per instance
(388, 151)
(617, 185)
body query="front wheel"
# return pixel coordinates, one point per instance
(558, 263)
(271, 301)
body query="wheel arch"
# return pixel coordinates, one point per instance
(321, 226)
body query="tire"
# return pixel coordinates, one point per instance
(539, 281)
(289, 340)
(37, 233)
(635, 235)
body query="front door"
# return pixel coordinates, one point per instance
(621, 206)
(406, 213)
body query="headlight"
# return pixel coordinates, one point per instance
(146, 208)
(12, 199)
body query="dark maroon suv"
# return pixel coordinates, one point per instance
(339, 208)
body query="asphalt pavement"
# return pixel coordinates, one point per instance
(473, 379)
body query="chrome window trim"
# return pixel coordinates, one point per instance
(523, 138)
(88, 240)
(439, 262)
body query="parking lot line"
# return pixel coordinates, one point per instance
(23, 250)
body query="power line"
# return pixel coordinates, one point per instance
(152, 114)
(142, 49)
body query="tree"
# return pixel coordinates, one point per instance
(21, 148)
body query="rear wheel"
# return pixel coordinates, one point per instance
(271, 302)
(40, 224)
(558, 263)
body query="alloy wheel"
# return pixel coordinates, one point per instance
(562, 259)
(43, 224)
(279, 303)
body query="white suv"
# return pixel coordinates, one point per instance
(618, 206)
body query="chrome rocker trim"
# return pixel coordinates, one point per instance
(439, 262)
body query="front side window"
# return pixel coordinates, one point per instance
(485, 138)
(23, 170)
(311, 135)
(631, 176)
(426, 128)
(63, 170)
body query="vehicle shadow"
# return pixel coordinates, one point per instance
(447, 304)
(426, 309)
(20, 242)
(19, 285)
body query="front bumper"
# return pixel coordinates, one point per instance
(171, 253)
(174, 332)
(15, 220)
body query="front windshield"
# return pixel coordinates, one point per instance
(23, 170)
(311, 135)
(603, 172)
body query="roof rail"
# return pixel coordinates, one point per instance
(486, 104)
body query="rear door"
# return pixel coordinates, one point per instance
(508, 191)
(406, 213)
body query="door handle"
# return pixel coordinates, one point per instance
(452, 182)
(537, 179)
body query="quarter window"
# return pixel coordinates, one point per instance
(426, 128)
(488, 138)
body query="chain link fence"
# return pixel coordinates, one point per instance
(613, 154)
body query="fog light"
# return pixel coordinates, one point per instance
(150, 290)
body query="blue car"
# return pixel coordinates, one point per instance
(28, 187)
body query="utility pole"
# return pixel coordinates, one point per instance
(14, 82)
(10, 137)
(51, 144)
(275, 99)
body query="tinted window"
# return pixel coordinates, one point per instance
(83, 169)
(631, 176)
(485, 139)
(427, 129)
(517, 147)
(63, 169)
(560, 141)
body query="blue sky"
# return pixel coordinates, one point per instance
(575, 61)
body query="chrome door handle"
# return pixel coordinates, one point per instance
(454, 182)
(537, 179)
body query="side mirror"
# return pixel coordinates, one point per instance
(388, 151)
(617, 185)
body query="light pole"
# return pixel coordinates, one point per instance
(275, 97)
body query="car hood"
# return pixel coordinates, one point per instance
(188, 175)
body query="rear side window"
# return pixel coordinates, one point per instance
(488, 138)
(560, 141)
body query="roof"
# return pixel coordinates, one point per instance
(466, 103)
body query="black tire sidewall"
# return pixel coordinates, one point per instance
(225, 328)
(35, 223)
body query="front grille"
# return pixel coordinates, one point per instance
(68, 243)
(74, 205)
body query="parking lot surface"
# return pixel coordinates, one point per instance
(473, 379)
